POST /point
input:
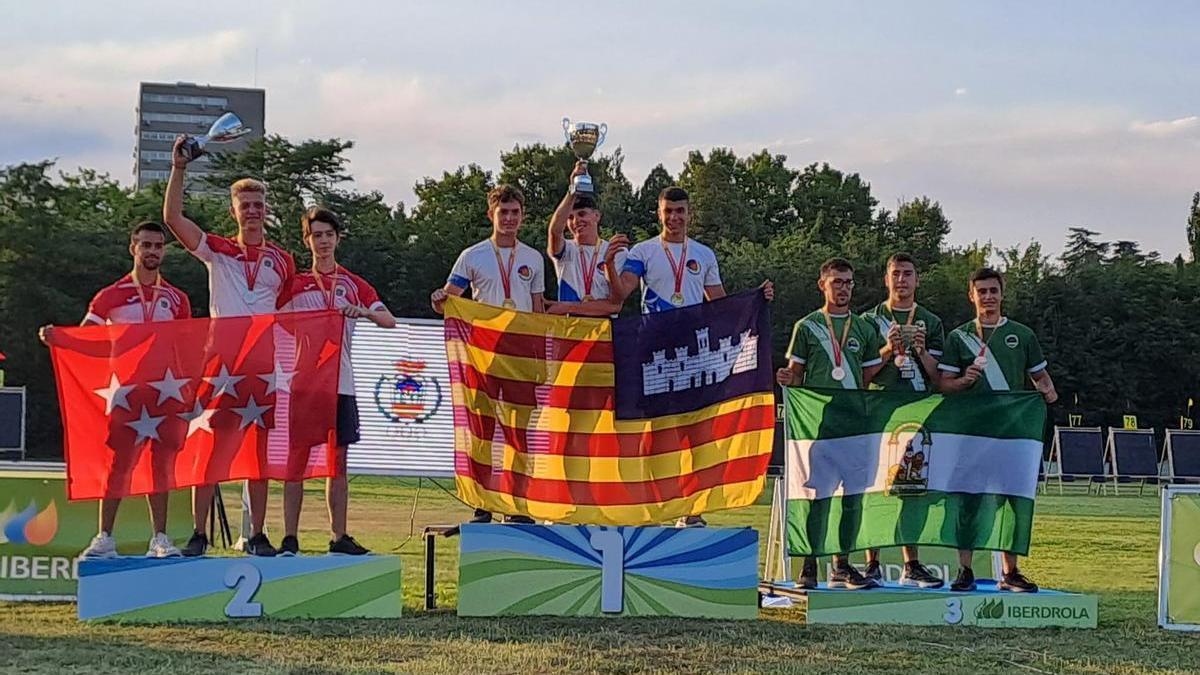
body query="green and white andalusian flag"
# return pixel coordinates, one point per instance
(877, 468)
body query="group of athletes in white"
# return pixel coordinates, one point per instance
(897, 345)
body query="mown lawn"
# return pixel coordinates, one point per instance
(1104, 545)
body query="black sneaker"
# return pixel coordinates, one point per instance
(691, 521)
(916, 575)
(847, 576)
(964, 582)
(290, 546)
(196, 546)
(808, 574)
(874, 572)
(259, 545)
(481, 516)
(1016, 582)
(519, 520)
(345, 545)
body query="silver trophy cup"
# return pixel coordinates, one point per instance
(226, 129)
(584, 138)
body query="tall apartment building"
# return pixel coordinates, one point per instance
(167, 110)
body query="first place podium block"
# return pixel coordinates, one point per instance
(145, 590)
(575, 570)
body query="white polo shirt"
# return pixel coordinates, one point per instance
(569, 267)
(649, 262)
(229, 270)
(478, 268)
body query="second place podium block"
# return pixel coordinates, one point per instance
(217, 589)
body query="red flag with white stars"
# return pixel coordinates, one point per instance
(158, 406)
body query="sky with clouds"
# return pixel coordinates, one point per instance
(1021, 118)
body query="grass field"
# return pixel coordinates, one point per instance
(1104, 545)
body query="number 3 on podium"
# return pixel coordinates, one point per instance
(953, 613)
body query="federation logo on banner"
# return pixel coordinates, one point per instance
(408, 396)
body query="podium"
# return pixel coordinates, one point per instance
(151, 590)
(569, 570)
(986, 607)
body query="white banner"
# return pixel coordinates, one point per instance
(403, 387)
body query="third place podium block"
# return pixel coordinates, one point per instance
(986, 607)
(217, 589)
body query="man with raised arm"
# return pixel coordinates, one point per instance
(246, 275)
(579, 261)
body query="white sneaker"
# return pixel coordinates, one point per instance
(161, 547)
(102, 546)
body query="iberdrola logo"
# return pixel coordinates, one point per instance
(990, 609)
(28, 526)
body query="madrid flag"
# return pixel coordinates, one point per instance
(157, 406)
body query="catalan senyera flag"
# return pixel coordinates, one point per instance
(148, 407)
(868, 469)
(625, 422)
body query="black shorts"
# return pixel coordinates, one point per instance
(347, 421)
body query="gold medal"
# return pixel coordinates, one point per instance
(506, 273)
(588, 298)
(676, 270)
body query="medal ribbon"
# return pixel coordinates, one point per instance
(588, 269)
(837, 346)
(251, 274)
(505, 272)
(677, 271)
(329, 297)
(147, 308)
(912, 313)
(984, 343)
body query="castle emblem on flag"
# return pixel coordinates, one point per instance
(708, 366)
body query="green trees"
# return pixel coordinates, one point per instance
(1118, 324)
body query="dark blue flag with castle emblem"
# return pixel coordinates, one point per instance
(693, 357)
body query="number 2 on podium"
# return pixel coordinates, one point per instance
(246, 579)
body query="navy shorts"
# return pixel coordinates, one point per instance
(347, 421)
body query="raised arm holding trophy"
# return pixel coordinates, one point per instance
(226, 129)
(584, 138)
